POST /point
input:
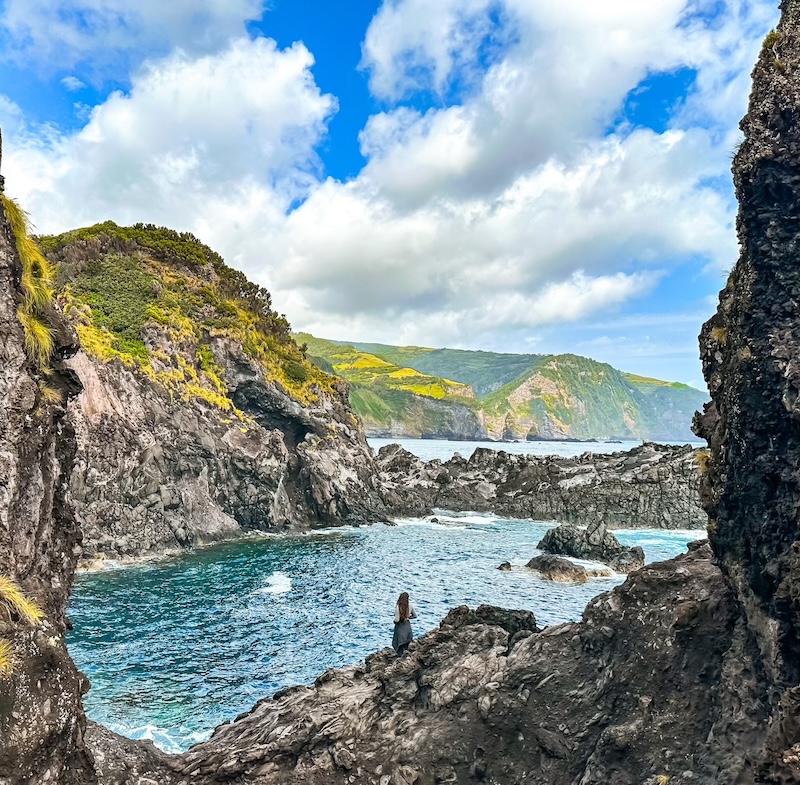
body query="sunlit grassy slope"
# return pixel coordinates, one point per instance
(156, 300)
(520, 396)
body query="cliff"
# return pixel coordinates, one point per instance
(199, 417)
(750, 358)
(650, 486)
(452, 393)
(686, 673)
(41, 718)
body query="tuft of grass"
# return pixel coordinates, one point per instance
(771, 39)
(49, 393)
(703, 461)
(38, 337)
(15, 600)
(719, 335)
(6, 657)
(37, 285)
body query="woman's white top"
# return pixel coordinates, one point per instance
(412, 614)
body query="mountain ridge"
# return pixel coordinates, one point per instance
(515, 396)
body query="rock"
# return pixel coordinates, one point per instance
(505, 566)
(209, 476)
(554, 568)
(652, 486)
(41, 716)
(593, 543)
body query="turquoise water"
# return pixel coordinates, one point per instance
(175, 647)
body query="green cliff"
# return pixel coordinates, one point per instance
(511, 396)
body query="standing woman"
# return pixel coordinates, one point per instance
(403, 611)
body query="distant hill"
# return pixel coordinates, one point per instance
(452, 393)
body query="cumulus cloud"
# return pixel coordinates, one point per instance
(65, 32)
(528, 203)
(190, 131)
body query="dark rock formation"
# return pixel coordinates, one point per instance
(41, 717)
(750, 351)
(558, 570)
(651, 486)
(593, 543)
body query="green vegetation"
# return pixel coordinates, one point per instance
(361, 368)
(159, 302)
(6, 657)
(19, 606)
(520, 395)
(485, 372)
(37, 286)
(771, 38)
(17, 603)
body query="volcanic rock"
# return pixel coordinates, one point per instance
(594, 544)
(558, 570)
(654, 486)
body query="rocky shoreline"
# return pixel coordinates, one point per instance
(687, 673)
(652, 486)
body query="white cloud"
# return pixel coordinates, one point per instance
(476, 224)
(191, 131)
(65, 32)
(413, 44)
(72, 83)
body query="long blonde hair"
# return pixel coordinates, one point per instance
(402, 606)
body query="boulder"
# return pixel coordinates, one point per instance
(594, 543)
(558, 570)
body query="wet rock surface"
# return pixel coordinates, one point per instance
(593, 543)
(558, 570)
(651, 486)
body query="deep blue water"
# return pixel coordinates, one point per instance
(175, 647)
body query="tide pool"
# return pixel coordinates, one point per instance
(173, 648)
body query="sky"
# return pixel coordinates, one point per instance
(510, 175)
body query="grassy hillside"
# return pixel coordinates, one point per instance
(394, 400)
(483, 371)
(158, 300)
(571, 396)
(519, 396)
(368, 370)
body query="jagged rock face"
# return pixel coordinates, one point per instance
(593, 543)
(651, 486)
(154, 473)
(41, 718)
(750, 351)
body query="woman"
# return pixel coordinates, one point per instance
(403, 611)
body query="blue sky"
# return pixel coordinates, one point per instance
(512, 175)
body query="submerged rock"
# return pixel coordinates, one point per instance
(554, 568)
